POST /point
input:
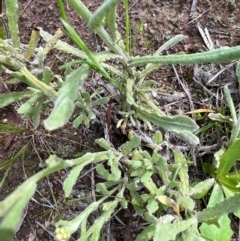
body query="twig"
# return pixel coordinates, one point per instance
(26, 7)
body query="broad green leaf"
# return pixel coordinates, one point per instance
(2, 34)
(136, 199)
(186, 202)
(130, 145)
(9, 98)
(146, 234)
(230, 182)
(219, 117)
(13, 217)
(178, 123)
(37, 113)
(183, 171)
(100, 101)
(68, 93)
(230, 193)
(102, 171)
(191, 234)
(103, 187)
(47, 75)
(188, 137)
(152, 205)
(229, 158)
(28, 104)
(166, 231)
(161, 167)
(201, 189)
(116, 172)
(211, 231)
(157, 137)
(73, 225)
(78, 121)
(229, 205)
(103, 143)
(73, 176)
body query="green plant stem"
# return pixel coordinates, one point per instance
(10, 63)
(12, 14)
(236, 126)
(216, 56)
(32, 44)
(127, 26)
(7, 47)
(83, 11)
(47, 90)
(54, 164)
(109, 42)
(80, 8)
(62, 10)
(151, 67)
(96, 19)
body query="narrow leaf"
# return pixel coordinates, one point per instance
(229, 205)
(9, 98)
(229, 158)
(64, 105)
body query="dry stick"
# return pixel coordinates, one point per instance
(186, 90)
(26, 7)
(199, 16)
(93, 183)
(206, 89)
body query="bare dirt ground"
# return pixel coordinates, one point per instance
(181, 90)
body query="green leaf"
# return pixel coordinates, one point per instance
(231, 182)
(28, 104)
(229, 205)
(102, 171)
(178, 123)
(219, 117)
(161, 167)
(211, 231)
(221, 55)
(157, 137)
(130, 145)
(191, 234)
(72, 177)
(188, 137)
(229, 158)
(78, 120)
(73, 225)
(146, 234)
(47, 75)
(183, 171)
(9, 98)
(103, 143)
(13, 217)
(12, 15)
(202, 188)
(166, 231)
(152, 205)
(100, 101)
(2, 34)
(68, 93)
(96, 18)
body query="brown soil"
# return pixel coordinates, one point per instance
(153, 23)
